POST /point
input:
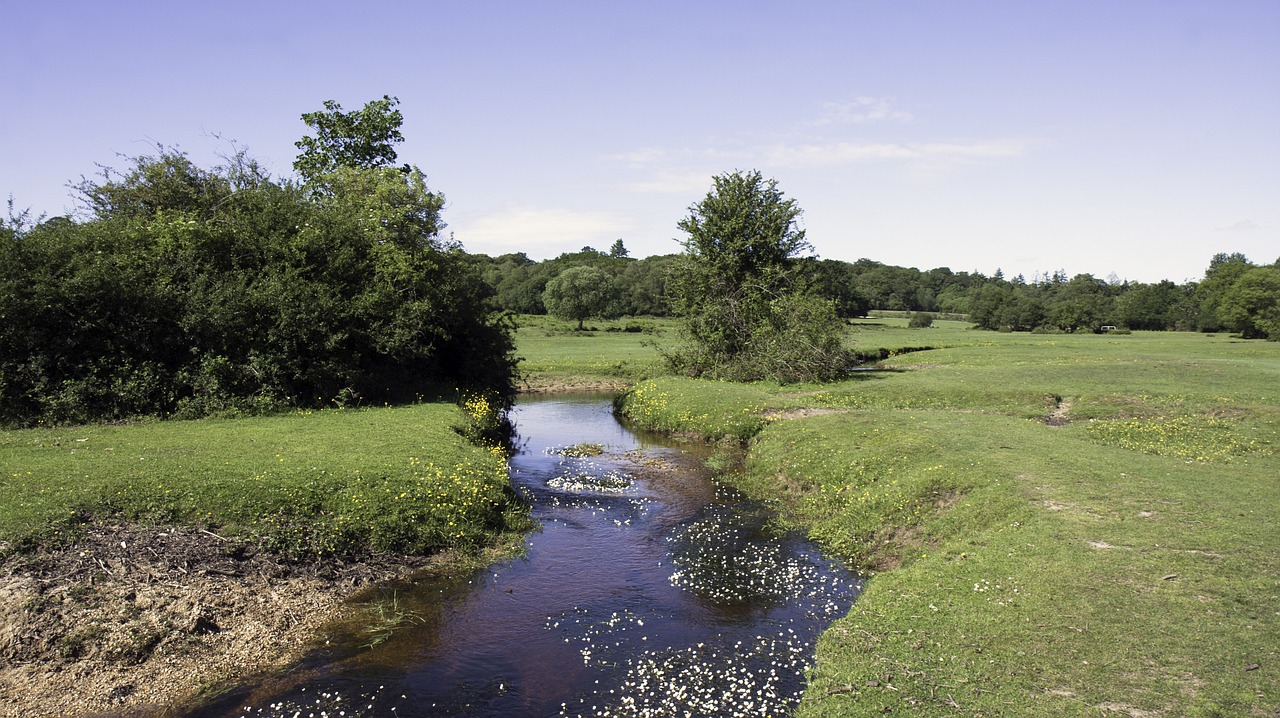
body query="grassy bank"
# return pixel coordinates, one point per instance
(1076, 525)
(306, 485)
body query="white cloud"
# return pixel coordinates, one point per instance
(673, 182)
(915, 153)
(689, 172)
(861, 111)
(1244, 225)
(642, 156)
(539, 231)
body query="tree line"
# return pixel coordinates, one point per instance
(1234, 295)
(184, 291)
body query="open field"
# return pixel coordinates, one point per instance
(618, 352)
(1058, 524)
(615, 353)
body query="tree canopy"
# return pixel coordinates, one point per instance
(579, 293)
(737, 292)
(188, 290)
(362, 139)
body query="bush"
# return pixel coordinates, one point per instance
(192, 292)
(921, 320)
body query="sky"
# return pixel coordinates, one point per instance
(1130, 140)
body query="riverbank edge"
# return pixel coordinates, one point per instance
(189, 612)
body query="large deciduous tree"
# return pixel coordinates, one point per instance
(579, 293)
(738, 293)
(1251, 306)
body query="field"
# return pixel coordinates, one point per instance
(307, 484)
(1055, 524)
(613, 353)
(1052, 524)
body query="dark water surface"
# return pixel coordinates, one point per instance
(649, 591)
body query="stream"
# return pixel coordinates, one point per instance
(650, 590)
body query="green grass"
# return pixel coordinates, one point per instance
(1123, 562)
(712, 410)
(341, 482)
(554, 355)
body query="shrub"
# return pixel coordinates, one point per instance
(921, 320)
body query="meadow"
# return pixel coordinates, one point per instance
(306, 485)
(1053, 524)
(611, 353)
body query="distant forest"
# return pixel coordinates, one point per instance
(1234, 295)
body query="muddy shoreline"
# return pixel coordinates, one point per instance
(140, 621)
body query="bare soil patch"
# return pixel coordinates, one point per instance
(1060, 414)
(543, 385)
(130, 620)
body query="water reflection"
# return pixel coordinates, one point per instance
(648, 591)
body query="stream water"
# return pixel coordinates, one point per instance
(649, 591)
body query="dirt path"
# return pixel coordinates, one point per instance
(132, 620)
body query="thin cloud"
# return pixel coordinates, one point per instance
(1244, 225)
(538, 231)
(673, 182)
(642, 156)
(916, 153)
(686, 171)
(862, 110)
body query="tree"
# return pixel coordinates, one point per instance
(579, 293)
(1252, 305)
(734, 286)
(1156, 307)
(920, 320)
(1083, 303)
(362, 139)
(349, 161)
(642, 286)
(837, 281)
(618, 250)
(1223, 272)
(187, 291)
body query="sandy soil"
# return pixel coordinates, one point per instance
(132, 620)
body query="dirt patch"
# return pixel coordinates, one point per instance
(545, 385)
(135, 619)
(892, 544)
(1060, 414)
(1110, 707)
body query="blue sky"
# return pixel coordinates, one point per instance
(1136, 138)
